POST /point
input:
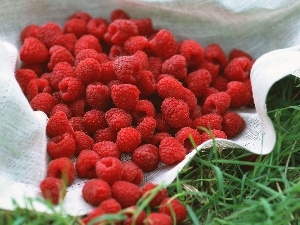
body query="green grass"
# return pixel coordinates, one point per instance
(220, 189)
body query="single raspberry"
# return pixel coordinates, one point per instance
(239, 93)
(215, 54)
(95, 191)
(116, 51)
(128, 139)
(197, 112)
(154, 65)
(214, 134)
(94, 120)
(198, 81)
(126, 193)
(134, 44)
(59, 54)
(216, 103)
(67, 41)
(184, 135)
(146, 83)
(233, 124)
(110, 205)
(85, 164)
(107, 73)
(143, 108)
(213, 69)
(71, 89)
(176, 66)
(158, 137)
(161, 193)
(114, 82)
(76, 123)
(126, 69)
(163, 44)
(220, 83)
(161, 124)
(119, 31)
(147, 128)
(173, 206)
(106, 134)
(210, 121)
(146, 157)
(134, 216)
(98, 96)
(76, 26)
(238, 69)
(61, 146)
(33, 51)
(62, 168)
(29, 31)
(36, 86)
(132, 173)
(87, 41)
(209, 91)
(58, 124)
(57, 96)
(47, 76)
(106, 149)
(38, 68)
(171, 151)
(53, 189)
(61, 107)
(48, 32)
(95, 213)
(248, 84)
(144, 25)
(236, 53)
(125, 96)
(192, 51)
(43, 102)
(175, 112)
(61, 71)
(109, 169)
(97, 27)
(88, 70)
(90, 53)
(81, 15)
(118, 14)
(79, 107)
(83, 142)
(118, 118)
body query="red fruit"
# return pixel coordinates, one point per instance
(146, 157)
(144, 26)
(87, 42)
(158, 137)
(236, 53)
(109, 169)
(155, 218)
(220, 83)
(48, 32)
(161, 193)
(161, 123)
(95, 213)
(77, 124)
(53, 189)
(125, 96)
(83, 142)
(175, 66)
(36, 86)
(43, 102)
(106, 149)
(233, 124)
(212, 68)
(117, 118)
(79, 107)
(90, 53)
(143, 108)
(86, 164)
(94, 120)
(61, 107)
(23, 77)
(128, 139)
(239, 93)
(67, 41)
(118, 14)
(132, 173)
(59, 54)
(71, 89)
(106, 134)
(214, 134)
(146, 83)
(116, 51)
(61, 71)
(208, 121)
(154, 65)
(81, 15)
(88, 70)
(98, 96)
(147, 128)
(173, 206)
(97, 27)
(133, 216)
(95, 191)
(58, 124)
(171, 151)
(216, 103)
(184, 135)
(238, 69)
(198, 81)
(107, 73)
(134, 44)
(29, 31)
(215, 54)
(127, 69)
(76, 26)
(192, 51)
(33, 51)
(61, 146)
(110, 205)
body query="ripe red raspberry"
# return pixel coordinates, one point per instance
(61, 146)
(97, 27)
(132, 173)
(79, 107)
(90, 53)
(158, 137)
(146, 157)
(107, 73)
(209, 91)
(59, 54)
(87, 41)
(110, 205)
(128, 139)
(125, 96)
(118, 14)
(29, 31)
(48, 32)
(23, 77)
(198, 81)
(143, 108)
(134, 216)
(216, 103)
(95, 213)
(53, 189)
(43, 102)
(156, 218)
(109, 169)
(171, 151)
(95, 191)
(71, 89)
(184, 135)
(33, 51)
(126, 69)
(58, 124)
(144, 26)
(163, 44)
(213, 69)
(175, 112)
(94, 120)
(192, 51)
(220, 83)
(147, 128)
(238, 69)
(46, 76)
(161, 193)
(61, 71)
(76, 123)
(134, 44)
(81, 15)
(176, 66)
(76, 26)
(118, 118)
(98, 96)
(116, 51)
(154, 65)
(36, 86)
(211, 121)
(126, 193)
(215, 54)
(107, 149)
(173, 206)
(119, 31)
(106, 134)
(85, 164)
(146, 83)
(63, 169)
(248, 84)
(235, 53)
(233, 124)
(88, 70)
(38, 68)
(67, 41)
(161, 123)
(214, 134)
(61, 107)
(57, 96)
(239, 93)
(83, 142)
(196, 112)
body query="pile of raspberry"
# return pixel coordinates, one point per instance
(122, 87)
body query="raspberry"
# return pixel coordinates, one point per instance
(83, 142)
(220, 83)
(118, 118)
(161, 123)
(58, 124)
(107, 73)
(125, 96)
(115, 52)
(53, 189)
(36, 86)
(176, 66)
(156, 218)
(215, 54)
(94, 120)
(62, 168)
(33, 51)
(132, 173)
(128, 139)
(106, 149)
(211, 121)
(146, 83)
(147, 128)
(87, 41)
(233, 124)
(118, 14)
(90, 53)
(173, 206)
(134, 44)
(61, 71)
(76, 123)
(213, 69)
(158, 137)
(46, 76)
(95, 213)
(238, 69)
(192, 51)
(81, 15)
(216, 103)
(154, 65)
(61, 146)
(110, 205)
(76, 26)
(48, 32)
(161, 193)
(106, 134)
(86, 164)
(97, 27)
(43, 102)
(197, 112)
(29, 31)
(214, 134)
(175, 112)
(239, 93)
(248, 84)
(144, 25)
(109, 169)
(143, 108)
(57, 96)
(163, 44)
(119, 31)
(61, 107)
(126, 69)
(36, 67)
(67, 41)
(171, 151)
(198, 81)
(98, 96)
(184, 135)
(71, 88)
(209, 91)
(146, 157)
(79, 107)
(126, 193)
(59, 54)
(236, 53)
(96, 191)
(134, 216)
(88, 70)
